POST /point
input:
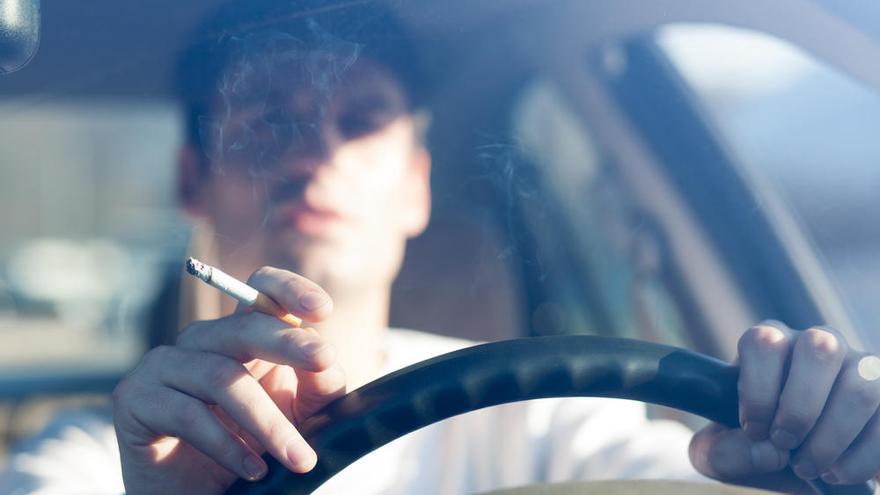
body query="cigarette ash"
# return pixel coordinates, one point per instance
(198, 269)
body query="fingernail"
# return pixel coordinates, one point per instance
(805, 470)
(310, 301)
(301, 457)
(254, 468)
(830, 478)
(783, 439)
(765, 457)
(755, 430)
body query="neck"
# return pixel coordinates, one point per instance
(355, 329)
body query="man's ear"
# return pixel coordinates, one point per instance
(190, 180)
(417, 210)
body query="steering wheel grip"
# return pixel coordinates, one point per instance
(509, 371)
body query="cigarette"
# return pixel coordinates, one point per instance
(239, 290)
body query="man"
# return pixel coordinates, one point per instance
(304, 154)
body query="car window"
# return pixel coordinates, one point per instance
(617, 255)
(805, 134)
(88, 216)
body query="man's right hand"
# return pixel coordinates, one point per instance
(194, 417)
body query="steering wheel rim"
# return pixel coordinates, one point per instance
(502, 372)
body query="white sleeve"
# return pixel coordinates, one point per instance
(76, 454)
(594, 438)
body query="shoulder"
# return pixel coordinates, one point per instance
(406, 347)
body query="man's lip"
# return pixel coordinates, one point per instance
(305, 218)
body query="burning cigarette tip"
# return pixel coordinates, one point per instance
(198, 269)
(239, 290)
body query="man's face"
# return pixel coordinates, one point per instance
(329, 179)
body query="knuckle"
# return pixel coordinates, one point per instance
(291, 339)
(237, 334)
(757, 407)
(770, 322)
(795, 422)
(748, 340)
(833, 331)
(761, 338)
(310, 332)
(189, 415)
(823, 345)
(121, 392)
(223, 373)
(330, 388)
(157, 357)
(188, 336)
(261, 273)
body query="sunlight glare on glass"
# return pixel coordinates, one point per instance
(11, 12)
(713, 57)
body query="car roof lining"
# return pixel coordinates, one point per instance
(88, 49)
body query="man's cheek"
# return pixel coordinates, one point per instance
(238, 211)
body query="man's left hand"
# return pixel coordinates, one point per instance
(808, 409)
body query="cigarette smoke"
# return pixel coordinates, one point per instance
(252, 127)
(506, 168)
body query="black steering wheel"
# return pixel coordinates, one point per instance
(502, 372)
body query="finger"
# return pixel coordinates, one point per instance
(281, 384)
(249, 336)
(216, 379)
(860, 462)
(763, 352)
(293, 292)
(316, 390)
(729, 454)
(852, 403)
(259, 368)
(167, 412)
(815, 362)
(237, 430)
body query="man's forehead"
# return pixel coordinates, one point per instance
(285, 87)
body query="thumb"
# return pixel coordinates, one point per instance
(728, 454)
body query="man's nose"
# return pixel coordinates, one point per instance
(313, 150)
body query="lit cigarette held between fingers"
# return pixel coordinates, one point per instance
(239, 290)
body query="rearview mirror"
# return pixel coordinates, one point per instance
(19, 33)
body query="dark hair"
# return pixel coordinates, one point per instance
(372, 30)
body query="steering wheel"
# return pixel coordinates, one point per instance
(510, 371)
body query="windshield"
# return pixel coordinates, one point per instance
(672, 175)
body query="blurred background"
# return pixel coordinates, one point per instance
(807, 133)
(89, 134)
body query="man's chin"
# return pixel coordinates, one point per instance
(301, 253)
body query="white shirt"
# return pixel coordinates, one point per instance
(510, 445)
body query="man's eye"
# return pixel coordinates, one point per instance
(273, 119)
(360, 124)
(277, 131)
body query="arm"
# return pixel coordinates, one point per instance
(75, 454)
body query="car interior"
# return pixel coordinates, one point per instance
(586, 181)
